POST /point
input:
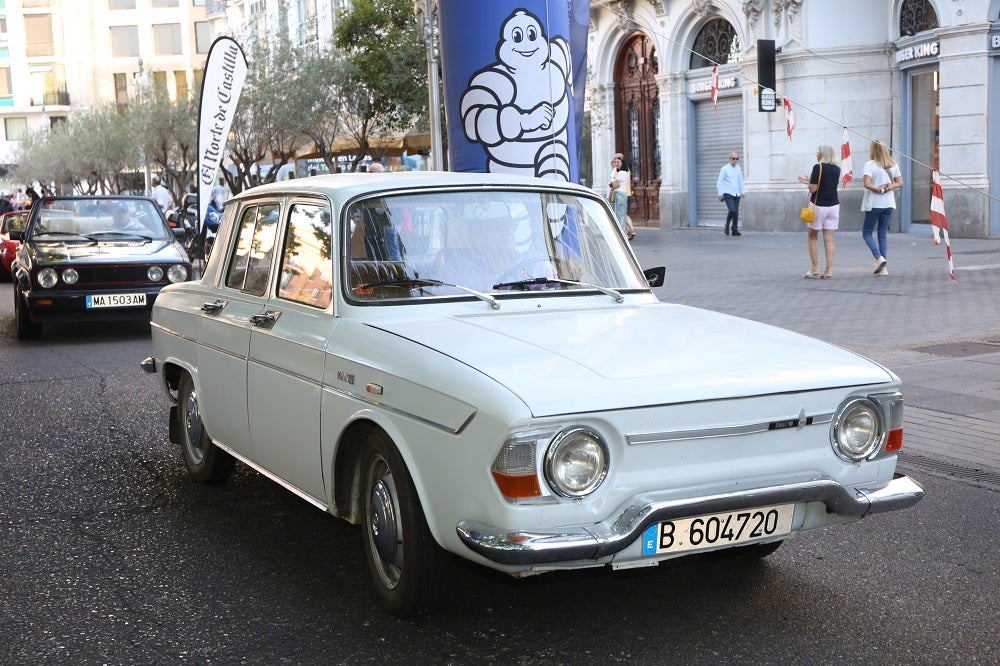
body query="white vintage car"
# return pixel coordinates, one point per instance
(475, 365)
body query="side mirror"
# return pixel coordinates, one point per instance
(16, 235)
(656, 276)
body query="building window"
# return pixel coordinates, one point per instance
(716, 43)
(916, 16)
(121, 4)
(5, 90)
(35, 4)
(3, 28)
(167, 39)
(202, 36)
(160, 83)
(180, 86)
(165, 3)
(15, 129)
(124, 41)
(38, 35)
(121, 91)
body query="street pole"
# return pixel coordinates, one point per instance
(427, 20)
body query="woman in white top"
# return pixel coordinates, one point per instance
(882, 176)
(618, 189)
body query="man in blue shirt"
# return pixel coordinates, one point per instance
(730, 188)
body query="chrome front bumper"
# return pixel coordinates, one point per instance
(613, 535)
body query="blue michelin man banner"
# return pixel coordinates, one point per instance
(508, 85)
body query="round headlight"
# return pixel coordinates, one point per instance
(576, 462)
(47, 277)
(154, 273)
(177, 273)
(70, 276)
(858, 430)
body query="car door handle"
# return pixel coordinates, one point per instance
(213, 308)
(264, 319)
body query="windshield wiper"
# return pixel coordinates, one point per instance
(35, 236)
(424, 282)
(128, 234)
(527, 282)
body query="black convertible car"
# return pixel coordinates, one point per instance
(93, 258)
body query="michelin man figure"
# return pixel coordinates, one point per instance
(518, 108)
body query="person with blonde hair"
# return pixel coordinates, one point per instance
(882, 176)
(822, 184)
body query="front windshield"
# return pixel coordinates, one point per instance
(112, 219)
(445, 243)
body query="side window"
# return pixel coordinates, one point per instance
(251, 261)
(307, 261)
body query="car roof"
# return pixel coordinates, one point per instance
(344, 186)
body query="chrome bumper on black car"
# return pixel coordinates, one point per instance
(611, 536)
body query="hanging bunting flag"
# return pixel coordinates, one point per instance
(789, 119)
(939, 221)
(846, 167)
(715, 89)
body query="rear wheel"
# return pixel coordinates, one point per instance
(408, 568)
(205, 461)
(27, 328)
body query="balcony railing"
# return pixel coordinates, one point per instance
(51, 98)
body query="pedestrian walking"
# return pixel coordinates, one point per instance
(162, 196)
(822, 182)
(881, 177)
(731, 187)
(618, 186)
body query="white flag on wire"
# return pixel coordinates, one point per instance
(715, 89)
(225, 73)
(939, 221)
(789, 119)
(846, 168)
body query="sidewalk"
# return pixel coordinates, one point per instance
(941, 337)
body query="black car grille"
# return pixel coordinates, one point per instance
(114, 275)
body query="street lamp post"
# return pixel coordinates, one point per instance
(427, 19)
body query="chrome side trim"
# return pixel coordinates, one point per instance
(615, 534)
(277, 479)
(728, 431)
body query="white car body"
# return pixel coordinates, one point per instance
(697, 413)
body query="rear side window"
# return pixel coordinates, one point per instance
(307, 263)
(250, 264)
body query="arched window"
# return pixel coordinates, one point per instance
(916, 16)
(716, 43)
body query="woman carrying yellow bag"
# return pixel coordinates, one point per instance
(822, 184)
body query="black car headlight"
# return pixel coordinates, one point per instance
(858, 429)
(177, 273)
(576, 462)
(47, 278)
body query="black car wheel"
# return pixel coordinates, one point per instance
(27, 328)
(206, 462)
(408, 568)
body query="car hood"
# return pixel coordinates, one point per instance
(102, 253)
(566, 361)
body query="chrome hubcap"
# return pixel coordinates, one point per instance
(194, 427)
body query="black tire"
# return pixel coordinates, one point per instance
(27, 328)
(409, 570)
(206, 462)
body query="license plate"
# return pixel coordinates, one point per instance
(115, 300)
(717, 529)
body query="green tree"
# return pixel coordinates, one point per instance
(386, 73)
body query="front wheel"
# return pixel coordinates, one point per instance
(408, 568)
(27, 328)
(206, 462)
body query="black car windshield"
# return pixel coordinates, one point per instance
(447, 243)
(97, 219)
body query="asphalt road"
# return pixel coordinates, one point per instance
(110, 554)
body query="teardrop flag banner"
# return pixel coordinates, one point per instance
(225, 73)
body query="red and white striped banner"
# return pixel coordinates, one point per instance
(789, 119)
(715, 89)
(939, 221)
(846, 167)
